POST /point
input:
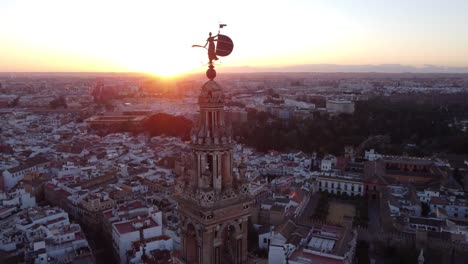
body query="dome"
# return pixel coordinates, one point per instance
(211, 86)
(211, 92)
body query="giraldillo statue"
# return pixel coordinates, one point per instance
(218, 45)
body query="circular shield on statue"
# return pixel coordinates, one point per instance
(224, 46)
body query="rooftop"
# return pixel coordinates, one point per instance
(427, 221)
(130, 226)
(31, 162)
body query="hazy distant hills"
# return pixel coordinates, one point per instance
(304, 68)
(382, 68)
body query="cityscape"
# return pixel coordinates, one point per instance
(234, 159)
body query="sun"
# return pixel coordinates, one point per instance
(157, 67)
(167, 72)
(163, 64)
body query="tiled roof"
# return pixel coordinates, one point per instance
(55, 221)
(287, 228)
(28, 164)
(128, 227)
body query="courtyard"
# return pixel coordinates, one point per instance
(337, 210)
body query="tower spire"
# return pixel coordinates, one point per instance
(214, 211)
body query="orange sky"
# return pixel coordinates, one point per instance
(155, 36)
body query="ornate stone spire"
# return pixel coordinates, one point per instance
(214, 209)
(212, 181)
(211, 128)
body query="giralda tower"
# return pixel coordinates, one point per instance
(214, 204)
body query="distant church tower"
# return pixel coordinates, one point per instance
(214, 204)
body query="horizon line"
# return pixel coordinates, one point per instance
(229, 72)
(297, 68)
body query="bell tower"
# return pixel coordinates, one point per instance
(214, 203)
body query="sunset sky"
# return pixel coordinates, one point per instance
(156, 36)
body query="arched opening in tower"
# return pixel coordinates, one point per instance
(225, 161)
(229, 249)
(209, 161)
(210, 123)
(191, 245)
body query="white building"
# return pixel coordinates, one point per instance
(47, 216)
(13, 175)
(19, 198)
(326, 165)
(371, 155)
(162, 242)
(340, 106)
(403, 200)
(148, 228)
(45, 235)
(455, 208)
(264, 236)
(325, 244)
(429, 224)
(338, 183)
(426, 195)
(69, 169)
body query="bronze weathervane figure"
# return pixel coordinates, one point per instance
(222, 48)
(210, 41)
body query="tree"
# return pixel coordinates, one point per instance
(457, 176)
(425, 126)
(321, 211)
(57, 102)
(15, 101)
(362, 213)
(425, 210)
(169, 125)
(403, 255)
(362, 252)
